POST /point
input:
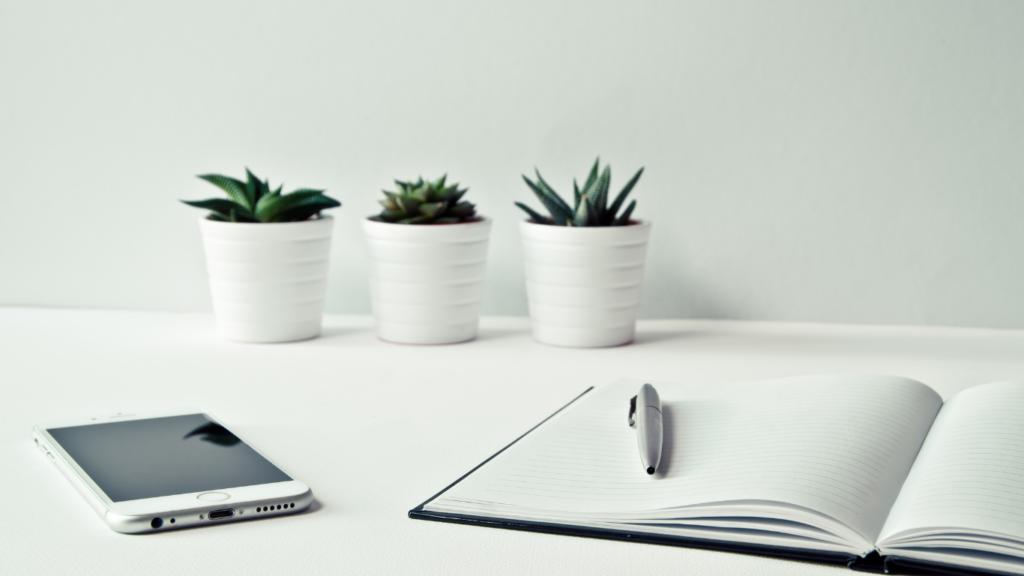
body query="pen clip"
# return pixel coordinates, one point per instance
(632, 410)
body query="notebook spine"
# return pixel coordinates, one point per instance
(873, 563)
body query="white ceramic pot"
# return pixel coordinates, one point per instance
(583, 284)
(427, 280)
(268, 281)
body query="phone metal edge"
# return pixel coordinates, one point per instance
(140, 523)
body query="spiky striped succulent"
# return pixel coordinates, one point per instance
(254, 201)
(590, 205)
(426, 202)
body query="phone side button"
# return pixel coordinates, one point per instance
(213, 496)
(51, 456)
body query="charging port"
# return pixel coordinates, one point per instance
(225, 513)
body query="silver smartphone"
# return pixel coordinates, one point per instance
(157, 471)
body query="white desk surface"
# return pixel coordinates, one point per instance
(316, 407)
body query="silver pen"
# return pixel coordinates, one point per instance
(645, 416)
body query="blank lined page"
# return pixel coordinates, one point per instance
(970, 473)
(840, 445)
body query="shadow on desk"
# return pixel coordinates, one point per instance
(666, 336)
(643, 337)
(334, 335)
(502, 333)
(335, 332)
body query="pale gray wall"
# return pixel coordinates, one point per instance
(825, 161)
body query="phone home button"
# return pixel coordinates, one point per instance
(213, 496)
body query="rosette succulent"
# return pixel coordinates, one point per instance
(590, 204)
(426, 202)
(254, 201)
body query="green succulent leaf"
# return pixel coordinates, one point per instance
(305, 210)
(582, 216)
(590, 189)
(270, 207)
(421, 193)
(219, 206)
(600, 194)
(559, 212)
(254, 201)
(449, 193)
(408, 204)
(390, 201)
(264, 190)
(590, 203)
(393, 215)
(456, 196)
(463, 210)
(426, 202)
(534, 215)
(233, 188)
(614, 208)
(236, 215)
(415, 220)
(593, 221)
(252, 188)
(624, 219)
(592, 177)
(431, 210)
(272, 193)
(550, 191)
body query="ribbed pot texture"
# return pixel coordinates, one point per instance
(268, 281)
(427, 281)
(583, 284)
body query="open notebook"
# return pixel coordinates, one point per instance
(874, 471)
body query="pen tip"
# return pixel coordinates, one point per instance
(650, 469)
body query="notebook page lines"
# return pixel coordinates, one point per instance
(818, 457)
(970, 473)
(829, 446)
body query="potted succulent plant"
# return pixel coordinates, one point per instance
(584, 263)
(427, 250)
(267, 256)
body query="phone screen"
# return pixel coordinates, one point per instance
(155, 457)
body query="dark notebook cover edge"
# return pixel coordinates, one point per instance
(872, 563)
(835, 558)
(900, 565)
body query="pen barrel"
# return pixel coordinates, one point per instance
(649, 436)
